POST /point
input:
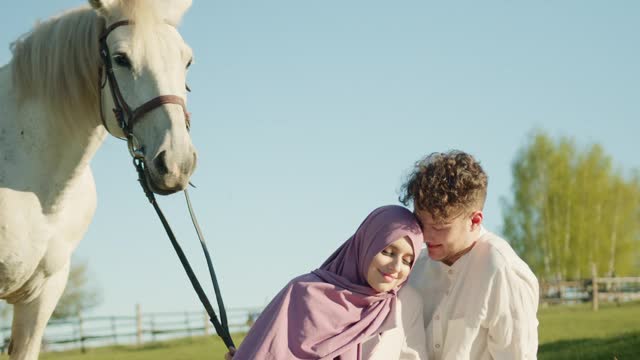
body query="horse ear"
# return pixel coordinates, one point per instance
(101, 6)
(173, 10)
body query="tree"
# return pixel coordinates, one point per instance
(5, 312)
(78, 296)
(571, 209)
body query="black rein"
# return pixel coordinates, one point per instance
(126, 118)
(222, 327)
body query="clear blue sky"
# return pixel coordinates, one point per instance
(307, 115)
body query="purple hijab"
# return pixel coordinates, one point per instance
(328, 313)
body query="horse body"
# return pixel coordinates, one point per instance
(47, 200)
(47, 191)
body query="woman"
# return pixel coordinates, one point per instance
(348, 309)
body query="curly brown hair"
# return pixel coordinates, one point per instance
(446, 184)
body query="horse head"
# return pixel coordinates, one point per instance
(143, 86)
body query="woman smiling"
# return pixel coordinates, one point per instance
(350, 307)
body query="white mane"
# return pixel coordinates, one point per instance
(57, 62)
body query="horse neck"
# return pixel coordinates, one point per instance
(74, 146)
(58, 150)
(50, 117)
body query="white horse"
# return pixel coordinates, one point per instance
(51, 101)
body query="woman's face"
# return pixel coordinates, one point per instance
(390, 267)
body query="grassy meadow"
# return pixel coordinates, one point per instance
(577, 332)
(566, 332)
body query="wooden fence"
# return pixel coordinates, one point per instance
(595, 290)
(85, 332)
(142, 327)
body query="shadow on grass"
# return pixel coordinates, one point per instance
(621, 347)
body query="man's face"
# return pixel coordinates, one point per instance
(444, 239)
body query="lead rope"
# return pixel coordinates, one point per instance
(221, 328)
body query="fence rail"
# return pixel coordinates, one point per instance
(595, 290)
(84, 332)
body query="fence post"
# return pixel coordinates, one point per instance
(138, 325)
(81, 333)
(206, 323)
(3, 343)
(186, 322)
(153, 328)
(594, 286)
(113, 330)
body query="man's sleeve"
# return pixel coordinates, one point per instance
(511, 320)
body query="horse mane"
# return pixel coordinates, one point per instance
(57, 61)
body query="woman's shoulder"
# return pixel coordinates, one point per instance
(305, 279)
(303, 283)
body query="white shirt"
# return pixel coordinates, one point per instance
(482, 307)
(401, 335)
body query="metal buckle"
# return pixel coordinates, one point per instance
(133, 145)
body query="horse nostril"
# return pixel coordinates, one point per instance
(160, 163)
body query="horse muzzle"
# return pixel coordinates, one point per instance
(165, 176)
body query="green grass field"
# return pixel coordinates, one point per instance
(577, 332)
(566, 332)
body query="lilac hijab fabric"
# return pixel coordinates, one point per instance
(328, 313)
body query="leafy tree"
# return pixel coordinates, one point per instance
(570, 209)
(78, 296)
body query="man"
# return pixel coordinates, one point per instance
(480, 299)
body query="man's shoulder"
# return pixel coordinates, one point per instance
(498, 255)
(496, 251)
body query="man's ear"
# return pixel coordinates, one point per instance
(476, 219)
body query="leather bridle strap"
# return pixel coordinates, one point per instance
(127, 118)
(156, 102)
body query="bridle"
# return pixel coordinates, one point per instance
(127, 118)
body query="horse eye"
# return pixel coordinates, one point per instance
(122, 60)
(189, 63)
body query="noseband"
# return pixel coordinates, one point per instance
(126, 117)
